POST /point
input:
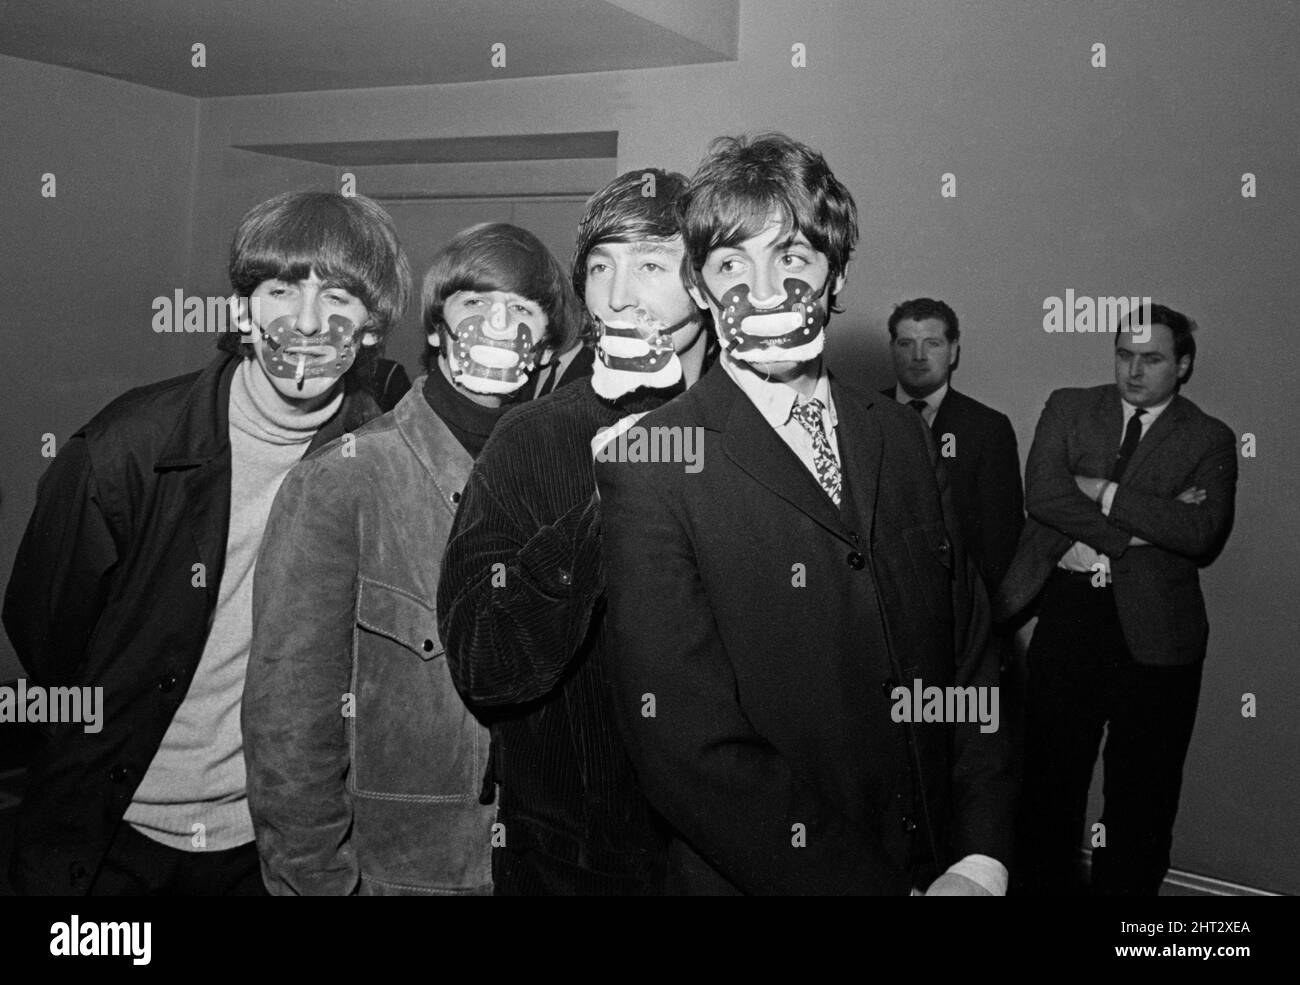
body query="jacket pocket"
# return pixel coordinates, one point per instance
(412, 738)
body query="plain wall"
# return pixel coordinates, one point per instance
(1117, 180)
(82, 268)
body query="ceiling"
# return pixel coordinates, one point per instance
(253, 47)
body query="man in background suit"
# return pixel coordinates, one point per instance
(1130, 490)
(764, 607)
(560, 369)
(976, 442)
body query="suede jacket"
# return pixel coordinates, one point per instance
(364, 765)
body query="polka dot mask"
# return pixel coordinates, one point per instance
(487, 365)
(291, 355)
(789, 332)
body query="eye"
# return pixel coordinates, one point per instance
(471, 302)
(794, 261)
(596, 268)
(651, 267)
(523, 309)
(729, 266)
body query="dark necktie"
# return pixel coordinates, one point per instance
(918, 406)
(1132, 435)
(549, 383)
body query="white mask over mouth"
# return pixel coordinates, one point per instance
(487, 365)
(291, 355)
(635, 354)
(792, 331)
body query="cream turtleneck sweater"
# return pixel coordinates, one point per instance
(193, 795)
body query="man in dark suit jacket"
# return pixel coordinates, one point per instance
(770, 599)
(976, 442)
(1130, 489)
(559, 370)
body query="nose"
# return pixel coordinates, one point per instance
(621, 290)
(498, 321)
(765, 292)
(309, 320)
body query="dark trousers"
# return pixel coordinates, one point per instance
(542, 862)
(1082, 678)
(139, 866)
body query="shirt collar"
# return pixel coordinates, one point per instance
(1151, 412)
(932, 401)
(776, 400)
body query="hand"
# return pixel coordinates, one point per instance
(951, 884)
(1090, 486)
(1191, 495)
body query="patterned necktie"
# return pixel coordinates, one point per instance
(1132, 435)
(828, 470)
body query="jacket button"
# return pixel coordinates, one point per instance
(427, 646)
(856, 561)
(76, 872)
(118, 774)
(909, 825)
(564, 577)
(455, 497)
(945, 546)
(167, 682)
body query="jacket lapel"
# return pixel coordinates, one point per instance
(860, 444)
(200, 445)
(943, 417)
(1107, 428)
(447, 463)
(1165, 425)
(754, 447)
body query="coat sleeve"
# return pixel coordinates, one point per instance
(982, 782)
(62, 570)
(516, 592)
(725, 790)
(1051, 494)
(299, 672)
(1000, 502)
(1196, 531)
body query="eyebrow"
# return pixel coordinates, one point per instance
(796, 238)
(643, 246)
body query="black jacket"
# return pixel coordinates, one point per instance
(114, 585)
(519, 609)
(983, 465)
(757, 632)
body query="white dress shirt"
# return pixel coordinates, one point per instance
(932, 401)
(776, 401)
